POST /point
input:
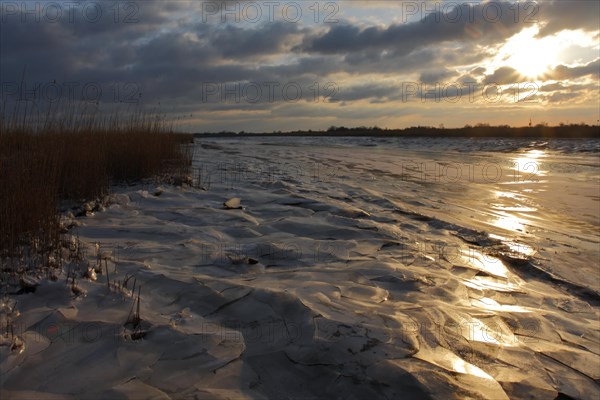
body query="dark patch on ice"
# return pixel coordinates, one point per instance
(526, 266)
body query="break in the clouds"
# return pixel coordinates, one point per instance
(263, 66)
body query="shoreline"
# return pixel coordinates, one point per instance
(488, 132)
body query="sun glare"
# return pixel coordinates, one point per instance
(528, 55)
(534, 57)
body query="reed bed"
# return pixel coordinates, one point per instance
(75, 154)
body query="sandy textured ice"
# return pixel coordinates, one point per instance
(329, 269)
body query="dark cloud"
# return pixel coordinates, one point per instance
(316, 67)
(373, 90)
(563, 72)
(473, 24)
(557, 86)
(392, 63)
(552, 87)
(503, 76)
(562, 97)
(478, 71)
(433, 76)
(558, 15)
(235, 42)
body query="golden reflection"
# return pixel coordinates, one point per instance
(509, 222)
(492, 333)
(492, 305)
(520, 248)
(511, 198)
(446, 359)
(519, 209)
(508, 208)
(484, 262)
(487, 283)
(527, 166)
(509, 195)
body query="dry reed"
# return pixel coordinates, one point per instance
(74, 153)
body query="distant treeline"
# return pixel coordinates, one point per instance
(479, 130)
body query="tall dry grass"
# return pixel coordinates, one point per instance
(74, 153)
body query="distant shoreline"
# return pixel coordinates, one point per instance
(537, 132)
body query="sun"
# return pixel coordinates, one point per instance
(530, 56)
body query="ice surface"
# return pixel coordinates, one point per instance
(345, 271)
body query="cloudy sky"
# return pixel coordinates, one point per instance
(286, 65)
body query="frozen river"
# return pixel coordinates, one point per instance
(355, 268)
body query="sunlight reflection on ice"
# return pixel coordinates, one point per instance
(520, 248)
(484, 282)
(509, 222)
(478, 331)
(527, 166)
(446, 359)
(493, 305)
(510, 203)
(485, 263)
(515, 247)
